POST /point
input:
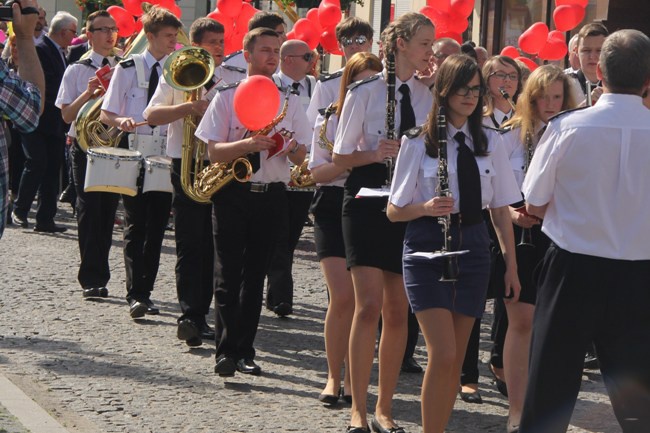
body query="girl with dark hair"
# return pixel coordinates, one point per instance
(478, 176)
(503, 81)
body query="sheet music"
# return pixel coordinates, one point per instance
(373, 192)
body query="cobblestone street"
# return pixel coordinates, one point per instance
(94, 369)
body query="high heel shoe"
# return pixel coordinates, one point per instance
(346, 397)
(378, 428)
(500, 384)
(329, 399)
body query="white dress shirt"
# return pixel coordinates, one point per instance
(516, 150)
(75, 82)
(363, 119)
(319, 155)
(220, 124)
(591, 168)
(167, 96)
(416, 174)
(498, 116)
(305, 88)
(325, 92)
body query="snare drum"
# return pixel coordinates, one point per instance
(111, 169)
(157, 174)
(148, 145)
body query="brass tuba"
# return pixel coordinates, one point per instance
(217, 175)
(90, 131)
(187, 70)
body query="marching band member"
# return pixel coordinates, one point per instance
(192, 220)
(132, 86)
(372, 242)
(546, 93)
(502, 74)
(354, 35)
(95, 210)
(478, 175)
(245, 214)
(328, 231)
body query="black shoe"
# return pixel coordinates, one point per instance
(67, 196)
(410, 365)
(500, 384)
(189, 332)
(283, 309)
(471, 397)
(207, 333)
(351, 429)
(346, 397)
(329, 399)
(378, 428)
(591, 360)
(49, 228)
(248, 366)
(95, 292)
(18, 220)
(137, 309)
(225, 367)
(152, 310)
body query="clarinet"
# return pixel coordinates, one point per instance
(526, 238)
(450, 266)
(390, 113)
(506, 96)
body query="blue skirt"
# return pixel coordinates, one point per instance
(467, 294)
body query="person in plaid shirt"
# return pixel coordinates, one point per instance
(20, 96)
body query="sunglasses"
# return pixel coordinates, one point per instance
(107, 30)
(359, 40)
(306, 57)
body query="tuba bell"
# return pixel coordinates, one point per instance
(188, 70)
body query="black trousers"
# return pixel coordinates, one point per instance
(583, 298)
(280, 281)
(95, 220)
(499, 331)
(244, 225)
(146, 217)
(43, 159)
(469, 371)
(194, 251)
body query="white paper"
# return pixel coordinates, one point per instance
(436, 254)
(373, 192)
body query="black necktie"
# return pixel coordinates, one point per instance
(505, 119)
(153, 81)
(407, 115)
(105, 61)
(469, 181)
(296, 87)
(209, 84)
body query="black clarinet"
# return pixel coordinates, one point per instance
(390, 113)
(450, 266)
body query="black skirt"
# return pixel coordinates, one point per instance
(370, 238)
(328, 229)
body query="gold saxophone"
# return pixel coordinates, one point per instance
(217, 175)
(90, 131)
(323, 142)
(187, 70)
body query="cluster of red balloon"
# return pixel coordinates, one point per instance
(551, 45)
(127, 18)
(449, 17)
(514, 53)
(319, 27)
(234, 16)
(264, 92)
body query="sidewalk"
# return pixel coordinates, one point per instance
(96, 370)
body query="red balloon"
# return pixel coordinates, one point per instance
(306, 32)
(247, 12)
(336, 3)
(256, 102)
(230, 7)
(329, 14)
(567, 17)
(510, 51)
(581, 3)
(123, 20)
(312, 15)
(138, 25)
(456, 23)
(534, 39)
(176, 10)
(225, 20)
(437, 16)
(553, 50)
(133, 6)
(557, 35)
(528, 62)
(441, 5)
(447, 34)
(291, 35)
(329, 43)
(462, 7)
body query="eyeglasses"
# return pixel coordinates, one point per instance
(359, 40)
(107, 30)
(476, 91)
(306, 57)
(74, 32)
(503, 76)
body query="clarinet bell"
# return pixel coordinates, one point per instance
(449, 269)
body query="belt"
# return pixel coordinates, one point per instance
(465, 220)
(260, 187)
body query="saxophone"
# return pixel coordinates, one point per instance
(323, 142)
(217, 175)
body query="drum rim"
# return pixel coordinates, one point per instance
(104, 152)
